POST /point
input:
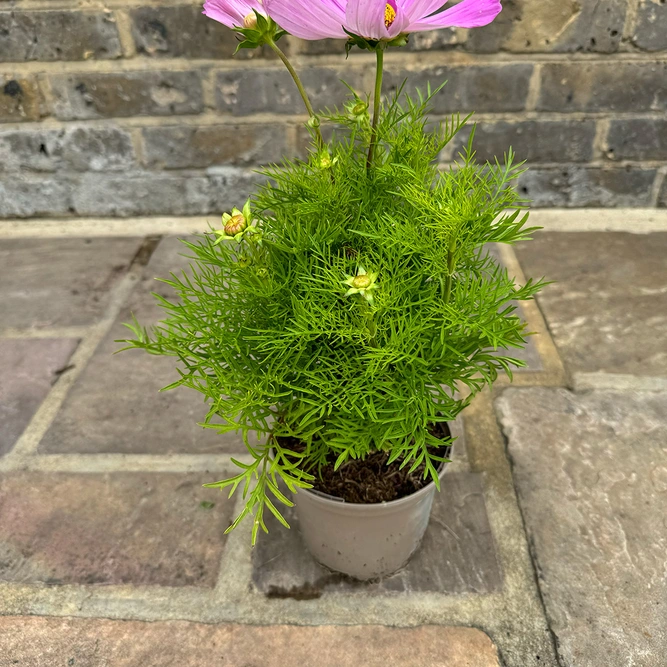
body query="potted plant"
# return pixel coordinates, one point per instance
(349, 311)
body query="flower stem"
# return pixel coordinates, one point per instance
(302, 90)
(376, 103)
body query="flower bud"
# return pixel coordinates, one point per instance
(250, 21)
(359, 108)
(362, 281)
(236, 224)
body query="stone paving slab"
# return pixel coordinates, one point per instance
(28, 369)
(130, 528)
(607, 309)
(59, 282)
(116, 405)
(591, 475)
(457, 555)
(51, 642)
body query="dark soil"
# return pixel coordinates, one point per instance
(371, 480)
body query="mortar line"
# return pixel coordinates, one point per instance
(544, 343)
(660, 179)
(213, 117)
(213, 464)
(124, 25)
(534, 87)
(407, 60)
(636, 221)
(532, 555)
(489, 457)
(47, 411)
(618, 382)
(602, 127)
(49, 332)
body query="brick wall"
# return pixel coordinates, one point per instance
(126, 109)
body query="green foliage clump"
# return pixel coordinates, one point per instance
(358, 305)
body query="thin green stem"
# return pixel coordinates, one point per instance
(302, 90)
(376, 104)
(451, 265)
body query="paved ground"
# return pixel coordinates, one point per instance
(547, 546)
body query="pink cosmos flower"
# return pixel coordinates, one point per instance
(233, 13)
(376, 19)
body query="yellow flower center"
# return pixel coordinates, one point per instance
(236, 224)
(389, 16)
(361, 282)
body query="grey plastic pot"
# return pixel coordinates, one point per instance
(364, 541)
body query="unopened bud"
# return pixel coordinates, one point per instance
(236, 224)
(359, 108)
(362, 282)
(250, 21)
(314, 122)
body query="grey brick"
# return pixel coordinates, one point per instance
(533, 140)
(58, 35)
(650, 31)
(580, 187)
(555, 27)
(604, 86)
(104, 95)
(183, 31)
(637, 139)
(20, 99)
(26, 196)
(74, 148)
(247, 91)
(147, 193)
(470, 88)
(186, 147)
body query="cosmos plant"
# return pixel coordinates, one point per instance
(346, 305)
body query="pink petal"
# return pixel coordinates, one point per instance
(467, 14)
(419, 9)
(231, 12)
(366, 19)
(308, 19)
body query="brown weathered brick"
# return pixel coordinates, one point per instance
(104, 95)
(97, 642)
(650, 31)
(637, 139)
(247, 91)
(533, 140)
(604, 86)
(29, 368)
(58, 35)
(73, 148)
(579, 187)
(470, 88)
(566, 26)
(185, 147)
(20, 99)
(132, 528)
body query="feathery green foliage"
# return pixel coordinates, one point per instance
(357, 307)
